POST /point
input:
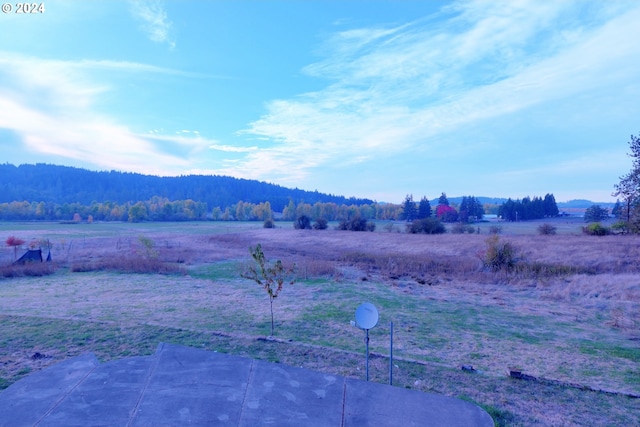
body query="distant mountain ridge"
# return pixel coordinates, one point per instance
(583, 204)
(64, 184)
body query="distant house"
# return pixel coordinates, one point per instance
(32, 255)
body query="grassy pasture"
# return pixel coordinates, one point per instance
(578, 331)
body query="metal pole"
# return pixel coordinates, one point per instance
(367, 346)
(391, 355)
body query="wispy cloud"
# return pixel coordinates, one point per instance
(397, 88)
(53, 107)
(137, 67)
(232, 148)
(155, 22)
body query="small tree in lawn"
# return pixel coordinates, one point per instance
(270, 277)
(15, 242)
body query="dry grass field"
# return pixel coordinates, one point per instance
(568, 317)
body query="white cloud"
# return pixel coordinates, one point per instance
(395, 89)
(51, 105)
(155, 22)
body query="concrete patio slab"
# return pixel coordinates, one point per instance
(184, 386)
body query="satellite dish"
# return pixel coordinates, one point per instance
(366, 316)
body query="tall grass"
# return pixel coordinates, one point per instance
(29, 269)
(127, 264)
(400, 265)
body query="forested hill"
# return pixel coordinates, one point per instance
(63, 184)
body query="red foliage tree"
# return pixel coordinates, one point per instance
(15, 242)
(446, 213)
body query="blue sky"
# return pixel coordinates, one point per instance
(372, 99)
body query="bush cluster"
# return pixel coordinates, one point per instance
(356, 224)
(320, 224)
(461, 228)
(426, 226)
(303, 222)
(596, 229)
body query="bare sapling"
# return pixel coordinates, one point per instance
(270, 276)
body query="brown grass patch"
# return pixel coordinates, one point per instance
(125, 264)
(30, 269)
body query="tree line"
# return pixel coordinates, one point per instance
(158, 208)
(67, 185)
(470, 209)
(528, 208)
(162, 209)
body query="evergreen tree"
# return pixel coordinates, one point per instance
(470, 209)
(478, 209)
(527, 208)
(464, 212)
(424, 208)
(409, 210)
(442, 200)
(550, 206)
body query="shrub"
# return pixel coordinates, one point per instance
(356, 224)
(320, 224)
(303, 222)
(624, 227)
(546, 229)
(149, 247)
(461, 228)
(495, 229)
(268, 223)
(596, 229)
(499, 255)
(426, 226)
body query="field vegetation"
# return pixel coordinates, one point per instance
(537, 328)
